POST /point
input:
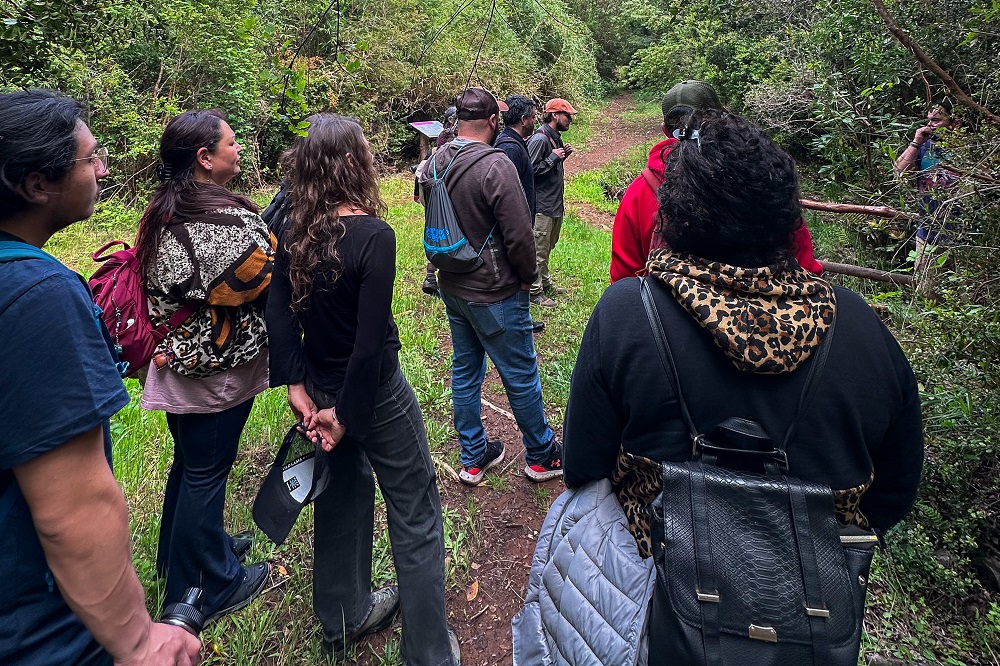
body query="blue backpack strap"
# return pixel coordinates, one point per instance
(447, 168)
(16, 250)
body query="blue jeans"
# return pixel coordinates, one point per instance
(502, 330)
(396, 447)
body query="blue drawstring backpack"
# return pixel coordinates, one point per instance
(445, 243)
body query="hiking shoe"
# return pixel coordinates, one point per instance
(456, 649)
(384, 608)
(473, 476)
(537, 326)
(254, 579)
(549, 468)
(542, 300)
(430, 285)
(552, 290)
(241, 543)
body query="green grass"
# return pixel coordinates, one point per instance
(602, 188)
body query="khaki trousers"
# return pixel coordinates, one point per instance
(547, 230)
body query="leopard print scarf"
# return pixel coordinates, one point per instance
(767, 320)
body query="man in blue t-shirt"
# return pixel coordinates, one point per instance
(71, 594)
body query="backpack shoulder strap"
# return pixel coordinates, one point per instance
(17, 250)
(652, 179)
(541, 130)
(667, 359)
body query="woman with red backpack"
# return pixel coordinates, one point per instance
(200, 243)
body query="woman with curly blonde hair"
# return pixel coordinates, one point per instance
(335, 345)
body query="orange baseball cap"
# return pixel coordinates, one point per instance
(559, 104)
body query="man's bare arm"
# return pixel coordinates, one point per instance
(81, 518)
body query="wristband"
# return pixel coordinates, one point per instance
(914, 144)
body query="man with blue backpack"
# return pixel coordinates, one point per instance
(71, 594)
(478, 233)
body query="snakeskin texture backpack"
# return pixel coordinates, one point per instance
(752, 566)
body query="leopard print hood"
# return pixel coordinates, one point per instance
(767, 320)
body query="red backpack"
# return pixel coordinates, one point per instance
(120, 291)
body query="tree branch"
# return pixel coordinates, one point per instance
(975, 175)
(875, 211)
(926, 61)
(867, 273)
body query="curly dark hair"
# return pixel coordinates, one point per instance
(332, 165)
(37, 134)
(179, 197)
(730, 194)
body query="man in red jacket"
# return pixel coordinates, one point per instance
(638, 212)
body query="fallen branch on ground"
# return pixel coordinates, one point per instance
(499, 409)
(875, 211)
(446, 468)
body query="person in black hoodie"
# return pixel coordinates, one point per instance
(488, 307)
(548, 152)
(743, 320)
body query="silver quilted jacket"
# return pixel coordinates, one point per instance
(589, 590)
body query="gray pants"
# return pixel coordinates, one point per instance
(396, 447)
(546, 236)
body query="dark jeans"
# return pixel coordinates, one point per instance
(396, 447)
(194, 548)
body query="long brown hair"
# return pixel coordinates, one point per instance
(332, 165)
(179, 197)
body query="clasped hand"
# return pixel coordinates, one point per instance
(320, 425)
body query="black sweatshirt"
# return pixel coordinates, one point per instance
(513, 145)
(864, 415)
(345, 341)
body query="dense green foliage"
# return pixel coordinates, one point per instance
(837, 89)
(269, 63)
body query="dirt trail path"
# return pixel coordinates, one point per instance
(510, 514)
(509, 509)
(612, 136)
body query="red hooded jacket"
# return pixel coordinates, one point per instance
(632, 234)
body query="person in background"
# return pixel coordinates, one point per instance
(519, 123)
(198, 241)
(924, 154)
(335, 345)
(732, 200)
(448, 132)
(638, 213)
(71, 594)
(547, 156)
(488, 307)
(449, 128)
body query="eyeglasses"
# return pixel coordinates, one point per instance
(101, 155)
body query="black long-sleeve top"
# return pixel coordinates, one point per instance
(345, 340)
(864, 417)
